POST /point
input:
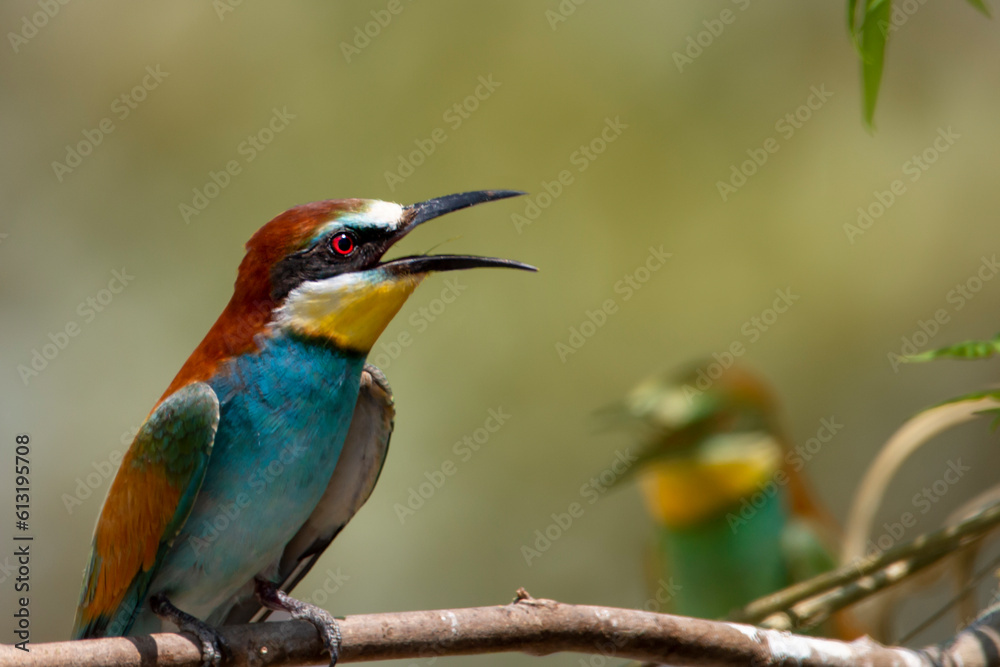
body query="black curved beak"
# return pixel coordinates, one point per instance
(434, 208)
(417, 214)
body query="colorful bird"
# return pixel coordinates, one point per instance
(734, 519)
(271, 436)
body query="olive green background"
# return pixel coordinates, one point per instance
(495, 345)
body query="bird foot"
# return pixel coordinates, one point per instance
(212, 644)
(276, 599)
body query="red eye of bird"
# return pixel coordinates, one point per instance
(343, 243)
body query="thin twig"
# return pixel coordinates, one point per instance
(926, 549)
(815, 611)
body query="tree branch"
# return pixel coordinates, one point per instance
(535, 627)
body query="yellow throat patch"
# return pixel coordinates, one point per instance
(682, 491)
(351, 310)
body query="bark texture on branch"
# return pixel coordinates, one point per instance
(536, 627)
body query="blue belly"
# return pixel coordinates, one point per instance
(284, 413)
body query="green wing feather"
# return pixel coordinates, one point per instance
(148, 503)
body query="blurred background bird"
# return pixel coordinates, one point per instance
(734, 517)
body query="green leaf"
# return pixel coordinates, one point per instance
(981, 7)
(970, 349)
(874, 34)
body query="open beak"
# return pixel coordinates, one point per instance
(417, 214)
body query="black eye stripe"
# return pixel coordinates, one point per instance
(322, 260)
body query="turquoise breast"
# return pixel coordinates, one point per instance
(284, 414)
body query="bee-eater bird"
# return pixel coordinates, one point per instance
(271, 436)
(734, 518)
